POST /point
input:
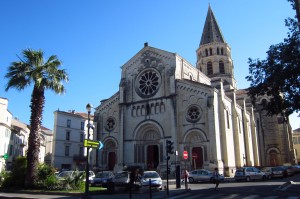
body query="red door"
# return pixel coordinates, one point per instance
(197, 157)
(152, 157)
(111, 160)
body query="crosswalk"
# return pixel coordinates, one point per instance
(225, 196)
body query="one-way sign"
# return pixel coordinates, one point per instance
(93, 144)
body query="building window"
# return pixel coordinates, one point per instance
(81, 137)
(222, 51)
(110, 124)
(218, 51)
(11, 148)
(80, 151)
(68, 135)
(82, 125)
(210, 51)
(69, 123)
(209, 68)
(221, 67)
(148, 83)
(193, 114)
(206, 52)
(67, 150)
(227, 116)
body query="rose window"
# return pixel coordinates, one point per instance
(193, 114)
(148, 83)
(110, 124)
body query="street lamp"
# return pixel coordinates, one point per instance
(88, 108)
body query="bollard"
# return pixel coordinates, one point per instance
(150, 189)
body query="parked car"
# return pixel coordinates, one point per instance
(155, 178)
(122, 179)
(102, 178)
(248, 174)
(287, 171)
(273, 172)
(295, 169)
(202, 175)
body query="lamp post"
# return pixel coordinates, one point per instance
(88, 108)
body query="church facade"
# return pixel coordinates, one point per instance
(163, 97)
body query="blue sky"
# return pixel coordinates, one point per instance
(94, 38)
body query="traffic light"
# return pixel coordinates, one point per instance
(169, 170)
(170, 147)
(5, 156)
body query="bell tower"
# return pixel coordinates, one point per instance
(214, 55)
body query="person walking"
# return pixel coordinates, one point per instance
(216, 176)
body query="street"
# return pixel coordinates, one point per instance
(271, 189)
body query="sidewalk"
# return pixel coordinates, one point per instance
(117, 195)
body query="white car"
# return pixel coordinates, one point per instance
(151, 178)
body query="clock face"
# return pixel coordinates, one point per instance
(148, 83)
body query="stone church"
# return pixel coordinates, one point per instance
(163, 97)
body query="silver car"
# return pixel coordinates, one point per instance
(249, 173)
(202, 175)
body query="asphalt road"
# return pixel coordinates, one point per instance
(287, 188)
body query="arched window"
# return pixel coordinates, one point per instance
(218, 51)
(222, 51)
(209, 68)
(210, 51)
(206, 52)
(221, 67)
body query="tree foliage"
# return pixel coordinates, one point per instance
(278, 76)
(32, 69)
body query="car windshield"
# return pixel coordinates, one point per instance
(240, 170)
(102, 175)
(121, 175)
(151, 175)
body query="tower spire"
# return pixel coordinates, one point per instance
(211, 31)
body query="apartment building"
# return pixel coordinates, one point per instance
(5, 132)
(296, 142)
(70, 130)
(14, 139)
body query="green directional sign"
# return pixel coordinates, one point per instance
(93, 144)
(5, 156)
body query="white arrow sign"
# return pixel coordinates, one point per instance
(101, 145)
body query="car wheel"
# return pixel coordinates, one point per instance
(248, 179)
(264, 178)
(191, 180)
(269, 177)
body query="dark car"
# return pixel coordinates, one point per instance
(123, 179)
(287, 171)
(102, 179)
(273, 172)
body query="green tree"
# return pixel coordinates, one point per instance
(278, 76)
(32, 69)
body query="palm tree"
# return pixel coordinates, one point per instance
(31, 69)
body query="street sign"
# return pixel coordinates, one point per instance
(93, 144)
(5, 156)
(185, 155)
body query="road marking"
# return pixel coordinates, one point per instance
(251, 197)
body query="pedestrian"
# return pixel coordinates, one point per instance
(216, 176)
(185, 175)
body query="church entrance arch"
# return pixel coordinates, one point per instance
(149, 145)
(273, 157)
(109, 153)
(196, 144)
